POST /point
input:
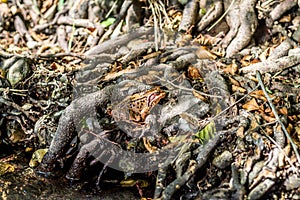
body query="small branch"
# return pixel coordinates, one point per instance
(59, 55)
(41, 27)
(235, 103)
(281, 50)
(194, 166)
(219, 8)
(16, 106)
(122, 14)
(258, 76)
(12, 90)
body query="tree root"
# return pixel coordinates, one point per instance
(189, 15)
(246, 26)
(279, 10)
(272, 65)
(211, 15)
(122, 40)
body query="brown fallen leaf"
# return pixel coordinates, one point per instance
(239, 89)
(193, 73)
(234, 82)
(259, 94)
(283, 111)
(204, 53)
(231, 69)
(199, 96)
(267, 118)
(251, 105)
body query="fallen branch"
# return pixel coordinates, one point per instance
(203, 154)
(41, 27)
(187, 89)
(281, 50)
(122, 14)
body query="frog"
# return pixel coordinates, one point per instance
(132, 103)
(136, 109)
(136, 113)
(138, 105)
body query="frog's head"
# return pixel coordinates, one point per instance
(141, 103)
(154, 96)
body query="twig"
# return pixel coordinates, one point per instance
(189, 16)
(5, 54)
(229, 107)
(40, 56)
(12, 90)
(58, 55)
(156, 33)
(125, 6)
(194, 166)
(122, 40)
(286, 156)
(258, 76)
(218, 21)
(16, 106)
(54, 21)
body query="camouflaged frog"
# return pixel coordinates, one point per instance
(137, 106)
(137, 109)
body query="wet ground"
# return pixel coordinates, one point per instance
(22, 182)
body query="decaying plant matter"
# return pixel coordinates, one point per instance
(205, 92)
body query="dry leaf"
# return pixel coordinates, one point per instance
(267, 118)
(290, 128)
(293, 118)
(232, 69)
(240, 132)
(206, 40)
(269, 131)
(283, 111)
(251, 105)
(269, 111)
(286, 19)
(246, 60)
(57, 67)
(239, 89)
(193, 73)
(297, 130)
(203, 53)
(253, 124)
(259, 94)
(234, 82)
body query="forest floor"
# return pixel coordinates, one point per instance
(157, 99)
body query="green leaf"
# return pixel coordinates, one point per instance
(109, 21)
(206, 133)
